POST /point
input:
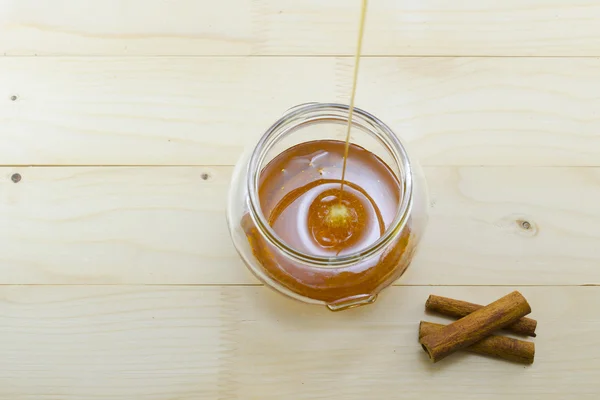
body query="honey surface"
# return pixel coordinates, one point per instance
(299, 195)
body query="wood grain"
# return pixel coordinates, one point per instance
(199, 111)
(309, 27)
(166, 225)
(123, 342)
(121, 283)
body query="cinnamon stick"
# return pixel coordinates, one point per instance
(503, 347)
(475, 326)
(459, 309)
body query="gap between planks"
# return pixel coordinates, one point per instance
(262, 285)
(200, 166)
(242, 56)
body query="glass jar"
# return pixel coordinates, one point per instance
(343, 281)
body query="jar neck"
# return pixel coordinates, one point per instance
(307, 114)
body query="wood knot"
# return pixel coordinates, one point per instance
(13, 98)
(205, 176)
(518, 224)
(16, 178)
(527, 227)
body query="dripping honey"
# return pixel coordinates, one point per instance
(330, 198)
(361, 32)
(338, 220)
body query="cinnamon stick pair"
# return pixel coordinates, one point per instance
(473, 330)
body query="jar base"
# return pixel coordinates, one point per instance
(352, 302)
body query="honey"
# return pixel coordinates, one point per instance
(300, 193)
(301, 196)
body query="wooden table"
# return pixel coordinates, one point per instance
(120, 121)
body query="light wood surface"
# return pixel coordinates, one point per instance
(123, 118)
(307, 27)
(165, 342)
(199, 111)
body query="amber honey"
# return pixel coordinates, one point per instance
(300, 192)
(302, 198)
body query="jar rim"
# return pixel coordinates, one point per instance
(306, 113)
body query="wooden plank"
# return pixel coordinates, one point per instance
(199, 111)
(153, 225)
(148, 111)
(309, 27)
(122, 342)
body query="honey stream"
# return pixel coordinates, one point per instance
(361, 32)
